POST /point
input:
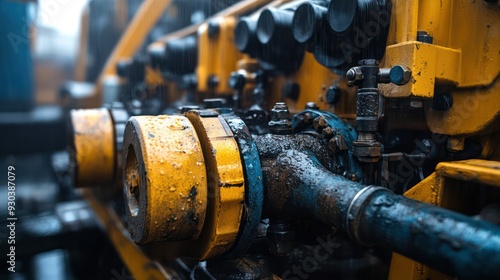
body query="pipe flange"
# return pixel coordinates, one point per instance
(254, 192)
(165, 180)
(226, 184)
(92, 150)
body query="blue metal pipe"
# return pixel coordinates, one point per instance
(297, 185)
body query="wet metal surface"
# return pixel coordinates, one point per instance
(297, 185)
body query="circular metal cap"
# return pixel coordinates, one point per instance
(165, 181)
(341, 15)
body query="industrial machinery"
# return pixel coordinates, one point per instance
(325, 139)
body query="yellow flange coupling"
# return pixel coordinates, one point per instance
(184, 180)
(165, 179)
(226, 184)
(93, 148)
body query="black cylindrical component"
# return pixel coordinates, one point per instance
(275, 47)
(245, 35)
(307, 21)
(181, 56)
(274, 27)
(344, 15)
(341, 15)
(156, 55)
(299, 186)
(367, 106)
(132, 69)
(341, 32)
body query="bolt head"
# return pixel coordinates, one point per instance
(400, 75)
(280, 111)
(213, 28)
(354, 75)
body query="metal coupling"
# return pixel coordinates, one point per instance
(165, 180)
(184, 180)
(95, 145)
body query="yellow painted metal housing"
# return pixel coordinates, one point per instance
(314, 80)
(226, 185)
(93, 148)
(466, 43)
(462, 186)
(165, 179)
(463, 60)
(217, 56)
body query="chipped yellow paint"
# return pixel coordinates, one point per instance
(226, 185)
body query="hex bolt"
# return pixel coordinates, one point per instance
(354, 75)
(280, 111)
(424, 37)
(332, 145)
(280, 123)
(442, 102)
(280, 238)
(213, 29)
(311, 106)
(341, 143)
(400, 75)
